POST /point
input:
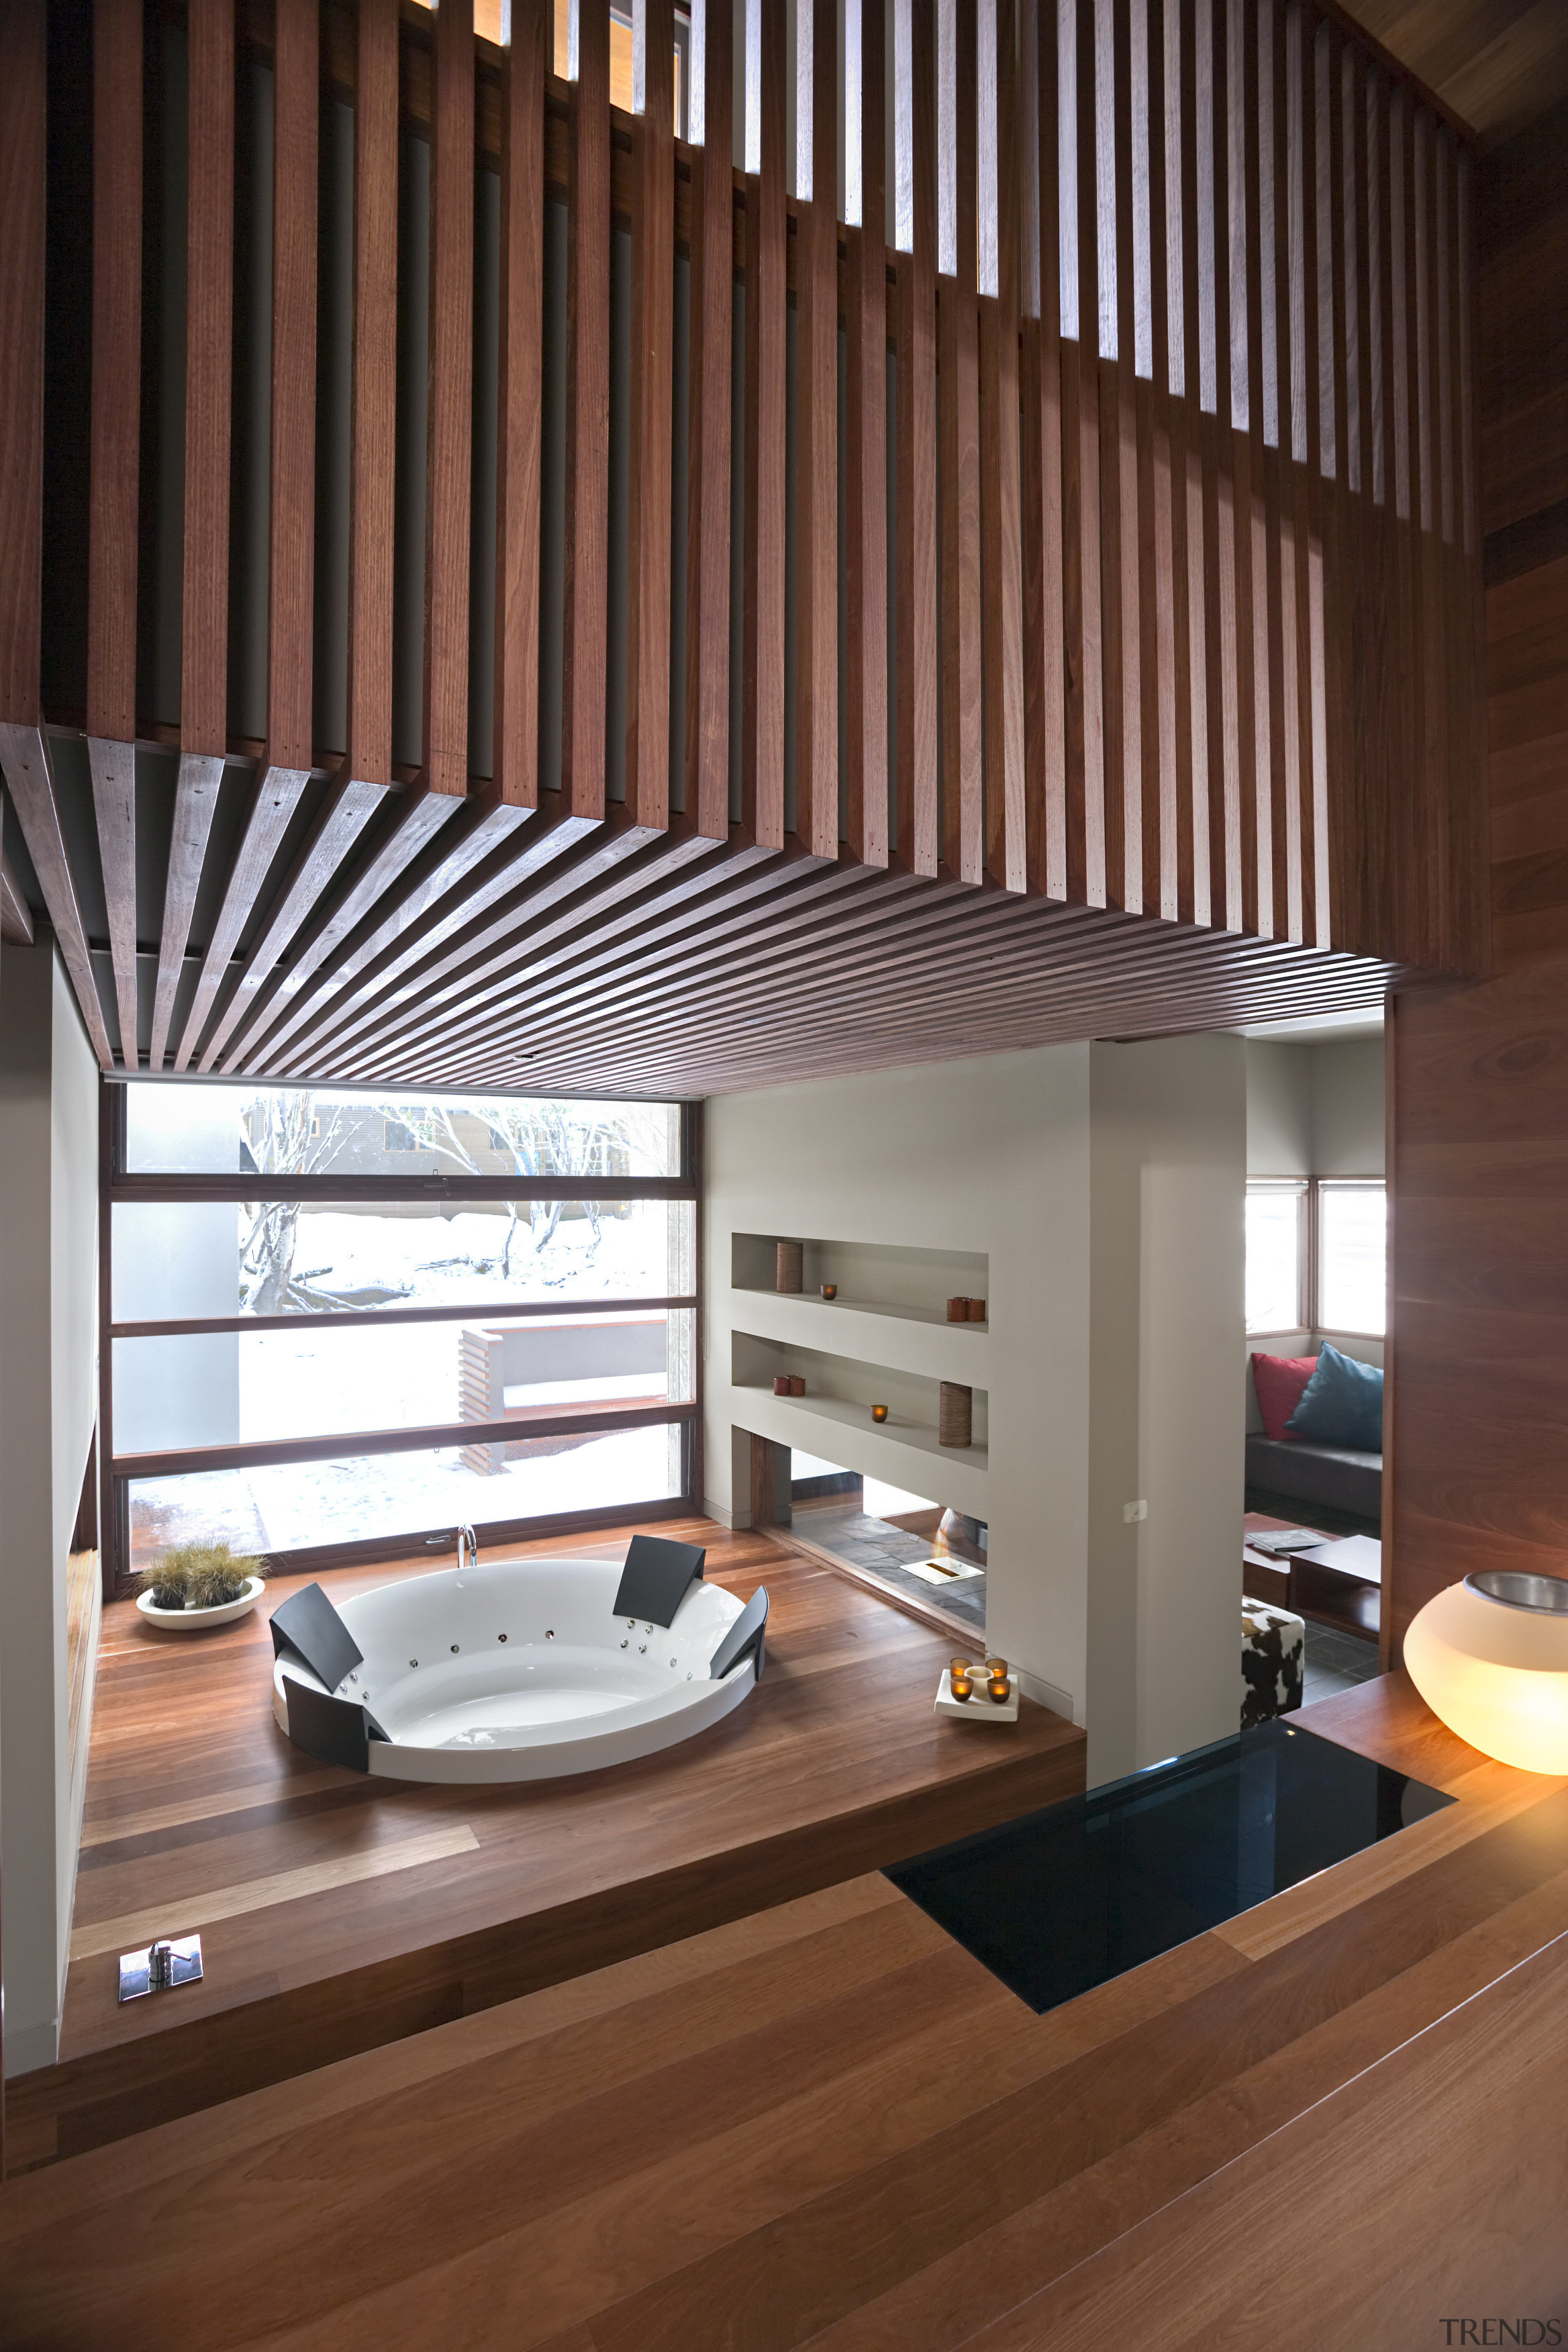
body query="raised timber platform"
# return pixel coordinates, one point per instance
(339, 1913)
(1328, 2123)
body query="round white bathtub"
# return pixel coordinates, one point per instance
(518, 1671)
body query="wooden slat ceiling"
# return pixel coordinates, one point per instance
(1170, 722)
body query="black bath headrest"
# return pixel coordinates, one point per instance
(308, 1624)
(655, 1578)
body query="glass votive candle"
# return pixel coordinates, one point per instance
(960, 1686)
(878, 1412)
(830, 1290)
(1000, 1689)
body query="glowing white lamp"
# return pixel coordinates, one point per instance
(1491, 1657)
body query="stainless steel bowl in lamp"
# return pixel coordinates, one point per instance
(1491, 1657)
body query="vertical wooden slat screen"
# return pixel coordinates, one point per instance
(915, 100)
(761, 754)
(23, 746)
(1175, 476)
(866, 555)
(204, 612)
(114, 479)
(817, 429)
(284, 769)
(958, 409)
(649, 468)
(710, 453)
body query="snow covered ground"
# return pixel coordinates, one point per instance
(294, 1506)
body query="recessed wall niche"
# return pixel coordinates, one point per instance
(873, 1276)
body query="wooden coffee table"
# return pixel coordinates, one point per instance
(1345, 1591)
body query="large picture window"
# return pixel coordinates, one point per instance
(340, 1324)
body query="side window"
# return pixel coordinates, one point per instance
(1276, 1255)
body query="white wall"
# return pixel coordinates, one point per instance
(1103, 1186)
(1349, 1130)
(49, 1377)
(1315, 1109)
(1168, 1174)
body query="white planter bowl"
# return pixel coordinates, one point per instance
(189, 1621)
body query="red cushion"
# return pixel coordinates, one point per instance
(1279, 1381)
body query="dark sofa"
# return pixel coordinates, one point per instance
(1336, 1476)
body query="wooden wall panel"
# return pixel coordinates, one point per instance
(204, 605)
(711, 455)
(1480, 1074)
(761, 752)
(449, 457)
(284, 769)
(515, 734)
(866, 553)
(1086, 814)
(958, 365)
(915, 89)
(816, 430)
(23, 746)
(1001, 485)
(1041, 461)
(114, 478)
(586, 642)
(648, 466)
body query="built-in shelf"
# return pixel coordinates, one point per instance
(898, 1429)
(909, 1286)
(933, 1315)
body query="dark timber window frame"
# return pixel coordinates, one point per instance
(117, 1184)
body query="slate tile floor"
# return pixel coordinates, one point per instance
(883, 1550)
(1335, 1662)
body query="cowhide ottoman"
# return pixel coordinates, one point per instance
(1273, 1652)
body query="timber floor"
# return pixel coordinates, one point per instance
(1332, 2121)
(339, 1912)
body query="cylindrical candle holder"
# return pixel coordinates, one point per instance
(956, 1415)
(878, 1412)
(830, 1290)
(797, 1385)
(958, 1310)
(976, 1310)
(791, 1275)
(780, 1384)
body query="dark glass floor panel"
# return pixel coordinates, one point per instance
(1061, 1900)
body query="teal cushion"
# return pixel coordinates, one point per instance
(1342, 1404)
